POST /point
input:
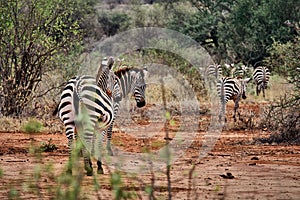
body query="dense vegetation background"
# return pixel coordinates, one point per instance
(41, 42)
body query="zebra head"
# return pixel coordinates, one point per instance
(105, 76)
(243, 83)
(139, 86)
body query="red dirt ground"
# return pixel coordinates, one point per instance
(259, 171)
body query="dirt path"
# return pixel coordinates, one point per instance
(235, 169)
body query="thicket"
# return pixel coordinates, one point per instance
(39, 37)
(283, 115)
(36, 37)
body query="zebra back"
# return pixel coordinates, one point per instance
(91, 100)
(230, 88)
(214, 71)
(261, 75)
(240, 71)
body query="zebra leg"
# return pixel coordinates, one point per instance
(70, 148)
(87, 162)
(263, 90)
(99, 151)
(223, 112)
(236, 107)
(100, 169)
(87, 148)
(109, 136)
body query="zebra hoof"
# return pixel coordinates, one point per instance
(100, 171)
(89, 172)
(69, 171)
(110, 153)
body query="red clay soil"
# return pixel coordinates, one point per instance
(236, 168)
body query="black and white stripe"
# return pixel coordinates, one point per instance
(82, 92)
(240, 71)
(214, 71)
(261, 76)
(129, 81)
(92, 106)
(212, 74)
(231, 89)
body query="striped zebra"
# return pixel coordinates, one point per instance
(231, 89)
(83, 92)
(129, 81)
(213, 73)
(261, 76)
(240, 71)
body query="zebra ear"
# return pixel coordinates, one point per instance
(247, 80)
(107, 62)
(110, 62)
(145, 72)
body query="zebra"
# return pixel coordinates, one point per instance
(231, 89)
(91, 105)
(261, 76)
(240, 71)
(213, 73)
(128, 80)
(96, 100)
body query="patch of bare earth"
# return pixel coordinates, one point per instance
(236, 168)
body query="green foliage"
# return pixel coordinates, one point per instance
(68, 186)
(48, 147)
(284, 60)
(251, 25)
(237, 30)
(32, 34)
(13, 194)
(282, 116)
(32, 126)
(113, 23)
(119, 192)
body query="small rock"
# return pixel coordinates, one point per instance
(227, 176)
(254, 158)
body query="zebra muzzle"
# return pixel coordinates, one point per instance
(140, 104)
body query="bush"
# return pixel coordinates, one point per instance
(283, 117)
(48, 147)
(33, 126)
(113, 23)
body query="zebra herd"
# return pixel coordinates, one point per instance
(87, 102)
(234, 88)
(98, 100)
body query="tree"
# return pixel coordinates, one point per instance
(238, 30)
(283, 115)
(32, 34)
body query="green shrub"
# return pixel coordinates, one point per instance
(32, 126)
(48, 147)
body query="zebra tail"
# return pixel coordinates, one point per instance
(55, 111)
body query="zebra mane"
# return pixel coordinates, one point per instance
(123, 70)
